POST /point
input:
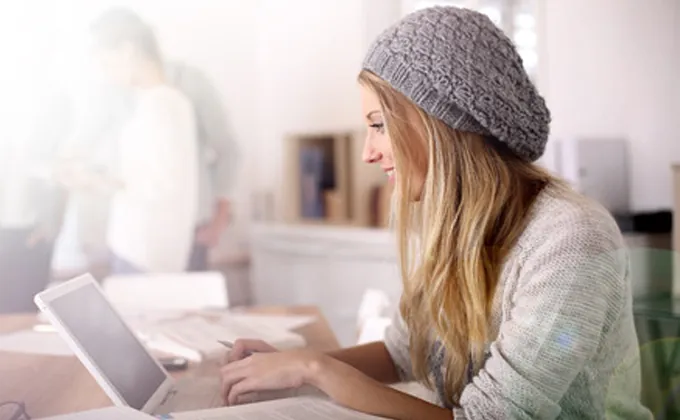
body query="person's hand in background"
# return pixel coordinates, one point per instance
(210, 233)
(37, 236)
(74, 175)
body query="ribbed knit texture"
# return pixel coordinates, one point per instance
(461, 68)
(564, 343)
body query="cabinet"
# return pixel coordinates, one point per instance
(328, 266)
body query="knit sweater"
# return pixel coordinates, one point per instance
(563, 345)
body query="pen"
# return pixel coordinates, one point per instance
(230, 346)
(227, 344)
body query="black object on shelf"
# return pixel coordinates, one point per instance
(648, 222)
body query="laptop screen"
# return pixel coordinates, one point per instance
(111, 345)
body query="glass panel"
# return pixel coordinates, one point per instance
(493, 9)
(525, 20)
(423, 4)
(525, 38)
(529, 57)
(494, 13)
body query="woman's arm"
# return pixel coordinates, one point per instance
(385, 361)
(351, 388)
(373, 360)
(344, 384)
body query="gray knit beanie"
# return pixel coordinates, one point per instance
(458, 66)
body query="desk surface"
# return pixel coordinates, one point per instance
(53, 385)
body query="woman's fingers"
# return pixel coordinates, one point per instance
(245, 347)
(231, 375)
(245, 386)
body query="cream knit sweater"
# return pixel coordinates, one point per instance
(564, 345)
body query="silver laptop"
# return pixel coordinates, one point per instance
(115, 356)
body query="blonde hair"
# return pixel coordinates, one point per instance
(475, 203)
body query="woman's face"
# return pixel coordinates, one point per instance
(378, 145)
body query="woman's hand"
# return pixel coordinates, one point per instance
(265, 371)
(269, 370)
(243, 348)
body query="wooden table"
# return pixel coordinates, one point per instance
(54, 385)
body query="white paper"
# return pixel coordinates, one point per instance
(302, 408)
(138, 319)
(34, 342)
(284, 322)
(109, 413)
(196, 338)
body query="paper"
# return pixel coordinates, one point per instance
(303, 408)
(284, 322)
(196, 338)
(109, 413)
(34, 342)
(137, 319)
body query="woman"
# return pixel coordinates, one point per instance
(517, 299)
(153, 213)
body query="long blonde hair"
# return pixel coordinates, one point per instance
(475, 203)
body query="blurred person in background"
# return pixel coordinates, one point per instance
(155, 177)
(108, 107)
(31, 205)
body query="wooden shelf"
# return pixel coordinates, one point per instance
(326, 182)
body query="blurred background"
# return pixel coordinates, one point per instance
(294, 216)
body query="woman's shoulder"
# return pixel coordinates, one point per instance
(562, 216)
(572, 248)
(574, 241)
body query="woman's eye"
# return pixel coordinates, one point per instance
(379, 127)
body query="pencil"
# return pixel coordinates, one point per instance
(230, 346)
(227, 344)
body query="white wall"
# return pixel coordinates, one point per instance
(610, 68)
(309, 54)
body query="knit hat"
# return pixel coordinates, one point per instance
(458, 66)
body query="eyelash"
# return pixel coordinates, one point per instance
(378, 126)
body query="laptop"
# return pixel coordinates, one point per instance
(115, 356)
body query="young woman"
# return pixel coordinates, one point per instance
(516, 294)
(153, 213)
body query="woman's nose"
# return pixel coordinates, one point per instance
(370, 154)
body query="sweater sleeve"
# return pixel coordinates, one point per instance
(570, 281)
